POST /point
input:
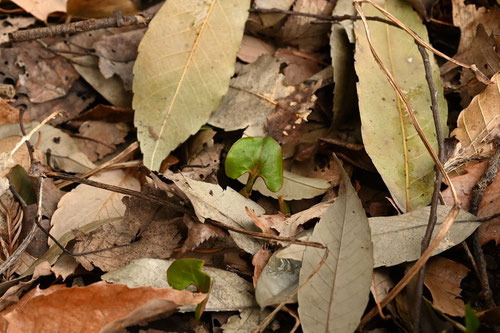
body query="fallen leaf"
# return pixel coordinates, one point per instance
(295, 187)
(259, 261)
(205, 164)
(198, 233)
(299, 31)
(468, 16)
(99, 9)
(443, 277)
(489, 231)
(397, 239)
(12, 24)
(144, 231)
(269, 20)
(475, 123)
(276, 281)
(335, 297)
(252, 48)
(100, 307)
(286, 124)
(229, 291)
(184, 34)
(99, 138)
(408, 171)
(91, 203)
(251, 97)
(64, 153)
(42, 9)
(64, 267)
(301, 65)
(8, 113)
(227, 206)
(246, 321)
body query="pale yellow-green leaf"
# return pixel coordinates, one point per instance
(335, 297)
(388, 134)
(185, 61)
(295, 187)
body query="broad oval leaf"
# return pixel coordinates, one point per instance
(185, 62)
(397, 239)
(388, 134)
(335, 297)
(261, 157)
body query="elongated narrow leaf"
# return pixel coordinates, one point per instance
(185, 61)
(388, 134)
(336, 296)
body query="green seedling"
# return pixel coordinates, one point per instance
(260, 157)
(183, 273)
(472, 323)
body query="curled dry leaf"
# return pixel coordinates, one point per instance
(478, 125)
(100, 307)
(301, 65)
(259, 261)
(92, 203)
(443, 278)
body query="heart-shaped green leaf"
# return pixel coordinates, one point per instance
(183, 273)
(261, 157)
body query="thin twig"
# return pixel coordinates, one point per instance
(268, 237)
(270, 317)
(437, 185)
(326, 18)
(81, 26)
(452, 214)
(477, 196)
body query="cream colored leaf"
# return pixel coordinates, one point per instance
(335, 297)
(477, 122)
(86, 204)
(227, 206)
(64, 152)
(251, 97)
(42, 8)
(397, 239)
(295, 187)
(229, 292)
(388, 134)
(185, 61)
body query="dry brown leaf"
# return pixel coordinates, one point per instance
(99, 138)
(41, 9)
(301, 65)
(64, 266)
(205, 164)
(266, 222)
(252, 48)
(86, 204)
(199, 232)
(259, 261)
(476, 123)
(8, 113)
(99, 8)
(443, 277)
(100, 307)
(490, 203)
(489, 231)
(468, 17)
(12, 24)
(145, 231)
(287, 123)
(299, 31)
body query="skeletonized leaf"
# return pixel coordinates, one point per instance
(397, 239)
(185, 61)
(335, 297)
(295, 187)
(388, 134)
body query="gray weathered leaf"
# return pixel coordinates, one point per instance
(335, 297)
(397, 239)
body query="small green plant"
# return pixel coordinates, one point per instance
(471, 320)
(260, 157)
(183, 273)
